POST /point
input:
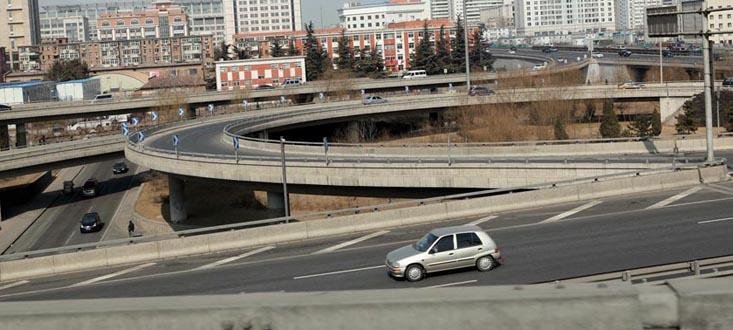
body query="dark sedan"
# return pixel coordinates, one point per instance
(120, 168)
(480, 90)
(90, 223)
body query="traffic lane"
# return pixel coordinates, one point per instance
(533, 254)
(112, 189)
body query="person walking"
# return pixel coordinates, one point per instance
(130, 228)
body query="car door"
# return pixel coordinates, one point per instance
(468, 245)
(442, 254)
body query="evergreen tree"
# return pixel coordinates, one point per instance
(292, 50)
(685, 124)
(479, 53)
(68, 70)
(346, 53)
(221, 52)
(442, 58)
(315, 58)
(458, 49)
(656, 123)
(424, 51)
(243, 53)
(277, 48)
(362, 64)
(560, 133)
(641, 126)
(610, 128)
(377, 63)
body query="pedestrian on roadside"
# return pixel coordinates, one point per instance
(130, 228)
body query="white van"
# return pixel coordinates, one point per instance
(413, 74)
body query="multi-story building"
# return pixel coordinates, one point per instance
(355, 16)
(631, 14)
(441, 9)
(76, 28)
(160, 21)
(265, 15)
(19, 24)
(395, 42)
(498, 16)
(206, 17)
(231, 75)
(559, 19)
(53, 17)
(472, 13)
(721, 21)
(28, 59)
(127, 53)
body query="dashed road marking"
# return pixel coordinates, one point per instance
(571, 212)
(715, 220)
(115, 274)
(339, 272)
(235, 258)
(674, 198)
(14, 284)
(351, 242)
(482, 220)
(449, 284)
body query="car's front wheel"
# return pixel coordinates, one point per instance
(414, 273)
(485, 263)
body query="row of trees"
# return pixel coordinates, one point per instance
(644, 125)
(435, 57)
(693, 112)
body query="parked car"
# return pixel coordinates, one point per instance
(264, 86)
(90, 223)
(537, 67)
(291, 83)
(444, 249)
(624, 53)
(480, 90)
(373, 99)
(597, 55)
(68, 187)
(728, 82)
(120, 168)
(90, 187)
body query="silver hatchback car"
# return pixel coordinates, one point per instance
(443, 249)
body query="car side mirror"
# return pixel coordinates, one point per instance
(433, 250)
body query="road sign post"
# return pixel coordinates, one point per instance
(176, 141)
(325, 149)
(235, 144)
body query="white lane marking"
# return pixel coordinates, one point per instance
(720, 189)
(573, 211)
(482, 220)
(674, 198)
(351, 242)
(449, 284)
(715, 220)
(235, 258)
(339, 272)
(115, 274)
(14, 284)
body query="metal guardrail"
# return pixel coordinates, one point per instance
(699, 268)
(329, 214)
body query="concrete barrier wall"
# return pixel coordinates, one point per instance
(276, 234)
(677, 304)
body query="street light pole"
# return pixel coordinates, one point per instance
(708, 84)
(661, 63)
(286, 202)
(465, 37)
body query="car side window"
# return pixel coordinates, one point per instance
(444, 244)
(467, 240)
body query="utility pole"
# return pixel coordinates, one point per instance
(465, 37)
(286, 202)
(708, 84)
(661, 63)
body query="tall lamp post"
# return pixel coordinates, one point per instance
(465, 45)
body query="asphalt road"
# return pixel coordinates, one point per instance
(612, 234)
(59, 224)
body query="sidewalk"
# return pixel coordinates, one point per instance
(14, 227)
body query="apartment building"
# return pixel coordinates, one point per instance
(19, 24)
(631, 14)
(562, 18)
(162, 20)
(441, 9)
(356, 16)
(232, 75)
(472, 12)
(53, 18)
(721, 21)
(123, 53)
(395, 42)
(265, 15)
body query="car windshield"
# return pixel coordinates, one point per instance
(424, 243)
(89, 184)
(89, 219)
(120, 165)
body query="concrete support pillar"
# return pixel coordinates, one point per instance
(176, 188)
(20, 135)
(4, 137)
(190, 111)
(276, 201)
(669, 108)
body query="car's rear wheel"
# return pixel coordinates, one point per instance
(485, 263)
(414, 273)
